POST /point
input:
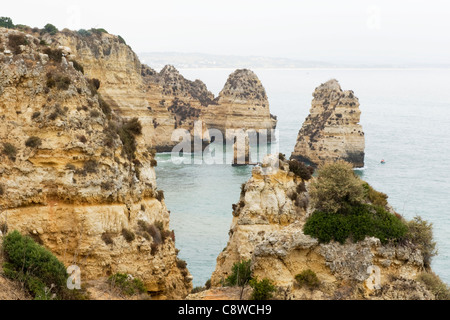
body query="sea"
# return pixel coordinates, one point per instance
(405, 114)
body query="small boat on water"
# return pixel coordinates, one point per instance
(383, 161)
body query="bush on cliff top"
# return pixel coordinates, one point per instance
(358, 222)
(6, 22)
(42, 274)
(349, 208)
(336, 187)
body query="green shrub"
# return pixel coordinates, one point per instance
(84, 33)
(127, 284)
(10, 151)
(37, 268)
(336, 187)
(98, 31)
(420, 233)
(153, 163)
(51, 29)
(104, 106)
(357, 223)
(33, 142)
(308, 278)
(6, 22)
(208, 284)
(240, 274)
(301, 170)
(262, 290)
(15, 41)
(433, 283)
(128, 235)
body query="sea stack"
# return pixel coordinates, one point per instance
(242, 104)
(332, 131)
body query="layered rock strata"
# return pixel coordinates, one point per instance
(242, 104)
(165, 101)
(332, 131)
(267, 228)
(68, 178)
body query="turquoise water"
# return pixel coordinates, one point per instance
(406, 119)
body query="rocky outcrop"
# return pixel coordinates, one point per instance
(267, 228)
(332, 131)
(165, 100)
(242, 104)
(76, 176)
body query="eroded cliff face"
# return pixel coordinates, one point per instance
(242, 104)
(66, 176)
(165, 101)
(267, 228)
(332, 131)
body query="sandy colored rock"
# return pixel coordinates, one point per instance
(267, 229)
(76, 187)
(332, 131)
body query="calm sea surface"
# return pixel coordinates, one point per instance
(406, 119)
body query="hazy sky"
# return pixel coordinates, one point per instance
(375, 31)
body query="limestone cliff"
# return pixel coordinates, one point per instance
(242, 104)
(332, 130)
(165, 100)
(75, 175)
(267, 228)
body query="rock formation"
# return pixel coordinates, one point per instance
(267, 228)
(165, 100)
(332, 130)
(242, 104)
(76, 176)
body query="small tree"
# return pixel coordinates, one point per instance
(51, 29)
(336, 187)
(262, 290)
(241, 274)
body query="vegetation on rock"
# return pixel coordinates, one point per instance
(127, 284)
(42, 274)
(308, 278)
(262, 290)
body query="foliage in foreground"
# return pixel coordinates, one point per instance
(262, 290)
(240, 274)
(42, 274)
(356, 223)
